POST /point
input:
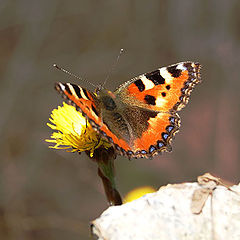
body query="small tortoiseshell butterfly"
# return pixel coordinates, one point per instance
(140, 117)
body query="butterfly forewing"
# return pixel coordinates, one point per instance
(82, 99)
(165, 89)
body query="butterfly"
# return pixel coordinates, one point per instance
(140, 117)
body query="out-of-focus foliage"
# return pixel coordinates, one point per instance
(50, 194)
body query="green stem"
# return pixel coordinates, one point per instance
(105, 160)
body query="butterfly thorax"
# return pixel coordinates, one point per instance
(112, 113)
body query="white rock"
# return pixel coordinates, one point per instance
(167, 215)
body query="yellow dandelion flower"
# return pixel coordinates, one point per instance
(73, 131)
(137, 193)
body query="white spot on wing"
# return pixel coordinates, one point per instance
(181, 67)
(72, 90)
(61, 86)
(83, 94)
(160, 102)
(148, 84)
(166, 75)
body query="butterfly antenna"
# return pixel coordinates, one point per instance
(112, 68)
(72, 75)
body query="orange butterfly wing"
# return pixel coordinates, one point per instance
(164, 91)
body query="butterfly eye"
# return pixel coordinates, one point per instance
(109, 103)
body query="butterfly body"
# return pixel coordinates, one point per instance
(140, 117)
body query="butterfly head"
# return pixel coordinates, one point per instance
(101, 91)
(107, 99)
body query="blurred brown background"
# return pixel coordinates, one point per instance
(50, 194)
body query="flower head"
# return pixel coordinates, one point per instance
(73, 131)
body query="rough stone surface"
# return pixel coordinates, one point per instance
(167, 215)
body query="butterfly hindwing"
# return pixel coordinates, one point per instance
(151, 132)
(140, 132)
